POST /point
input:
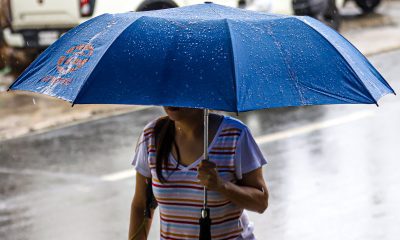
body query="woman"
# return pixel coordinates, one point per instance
(170, 153)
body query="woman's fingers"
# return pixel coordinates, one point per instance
(208, 175)
(205, 174)
(206, 170)
(207, 164)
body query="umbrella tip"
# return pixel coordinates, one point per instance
(208, 2)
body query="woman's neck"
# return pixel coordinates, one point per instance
(190, 128)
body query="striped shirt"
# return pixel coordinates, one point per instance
(180, 199)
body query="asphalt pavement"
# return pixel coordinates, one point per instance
(332, 173)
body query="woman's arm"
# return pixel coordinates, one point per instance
(139, 227)
(251, 192)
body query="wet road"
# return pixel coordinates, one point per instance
(332, 173)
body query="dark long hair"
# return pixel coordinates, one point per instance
(164, 132)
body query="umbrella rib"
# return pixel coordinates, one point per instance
(233, 63)
(85, 82)
(292, 75)
(341, 55)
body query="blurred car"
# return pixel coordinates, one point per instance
(367, 6)
(36, 24)
(324, 10)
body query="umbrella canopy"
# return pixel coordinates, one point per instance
(204, 56)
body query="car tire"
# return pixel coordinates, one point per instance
(367, 6)
(326, 11)
(332, 16)
(149, 5)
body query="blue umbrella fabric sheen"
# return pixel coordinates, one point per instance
(204, 56)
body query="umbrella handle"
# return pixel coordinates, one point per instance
(205, 225)
(205, 220)
(206, 118)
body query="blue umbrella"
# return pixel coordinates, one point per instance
(204, 56)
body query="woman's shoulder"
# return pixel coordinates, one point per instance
(148, 130)
(150, 125)
(231, 123)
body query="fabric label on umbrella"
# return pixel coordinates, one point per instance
(73, 59)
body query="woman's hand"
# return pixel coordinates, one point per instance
(208, 176)
(250, 192)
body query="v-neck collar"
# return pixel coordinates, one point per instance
(210, 146)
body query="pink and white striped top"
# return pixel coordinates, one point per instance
(180, 199)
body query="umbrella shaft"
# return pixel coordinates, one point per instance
(206, 113)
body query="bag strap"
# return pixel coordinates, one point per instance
(151, 202)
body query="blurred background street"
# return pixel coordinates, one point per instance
(332, 170)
